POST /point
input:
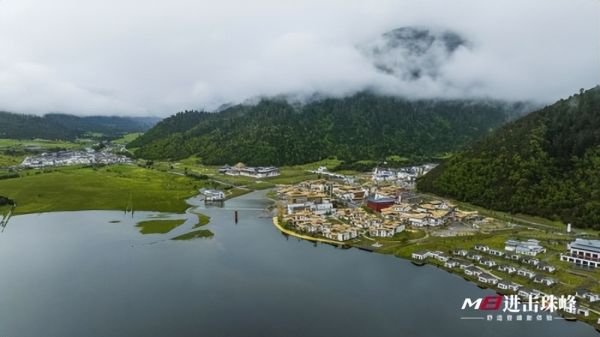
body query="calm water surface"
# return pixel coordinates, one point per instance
(78, 274)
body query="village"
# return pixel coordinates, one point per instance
(383, 206)
(380, 206)
(519, 268)
(88, 156)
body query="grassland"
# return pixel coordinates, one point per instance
(202, 220)
(163, 188)
(288, 174)
(6, 144)
(127, 138)
(10, 160)
(119, 187)
(158, 226)
(200, 233)
(4, 210)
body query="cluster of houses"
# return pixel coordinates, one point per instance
(394, 208)
(344, 224)
(473, 262)
(369, 223)
(64, 158)
(522, 251)
(240, 169)
(312, 223)
(478, 262)
(405, 177)
(310, 208)
(323, 171)
(399, 204)
(424, 214)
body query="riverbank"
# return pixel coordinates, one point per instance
(565, 278)
(304, 237)
(129, 278)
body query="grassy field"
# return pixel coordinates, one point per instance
(10, 160)
(202, 220)
(236, 192)
(4, 210)
(288, 174)
(127, 138)
(158, 226)
(109, 188)
(38, 143)
(200, 233)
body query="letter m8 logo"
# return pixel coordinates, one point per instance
(486, 303)
(491, 303)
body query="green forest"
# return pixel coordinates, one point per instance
(546, 163)
(69, 127)
(361, 127)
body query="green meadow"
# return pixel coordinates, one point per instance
(10, 160)
(125, 139)
(200, 233)
(14, 144)
(202, 220)
(121, 187)
(158, 226)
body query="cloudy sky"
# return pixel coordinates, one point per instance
(157, 57)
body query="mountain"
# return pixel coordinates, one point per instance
(180, 122)
(61, 126)
(106, 125)
(361, 127)
(19, 126)
(546, 163)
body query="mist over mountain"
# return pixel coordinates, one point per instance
(411, 53)
(364, 126)
(198, 55)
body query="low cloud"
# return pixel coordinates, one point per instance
(157, 57)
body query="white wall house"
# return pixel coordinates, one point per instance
(583, 252)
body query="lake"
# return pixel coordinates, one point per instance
(83, 274)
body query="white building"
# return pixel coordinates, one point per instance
(530, 247)
(488, 279)
(583, 252)
(213, 195)
(247, 171)
(421, 255)
(587, 295)
(507, 285)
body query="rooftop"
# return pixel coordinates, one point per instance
(584, 244)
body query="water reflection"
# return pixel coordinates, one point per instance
(79, 274)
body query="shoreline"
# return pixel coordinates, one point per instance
(468, 279)
(305, 237)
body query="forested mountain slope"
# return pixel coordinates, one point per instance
(360, 127)
(546, 163)
(67, 127)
